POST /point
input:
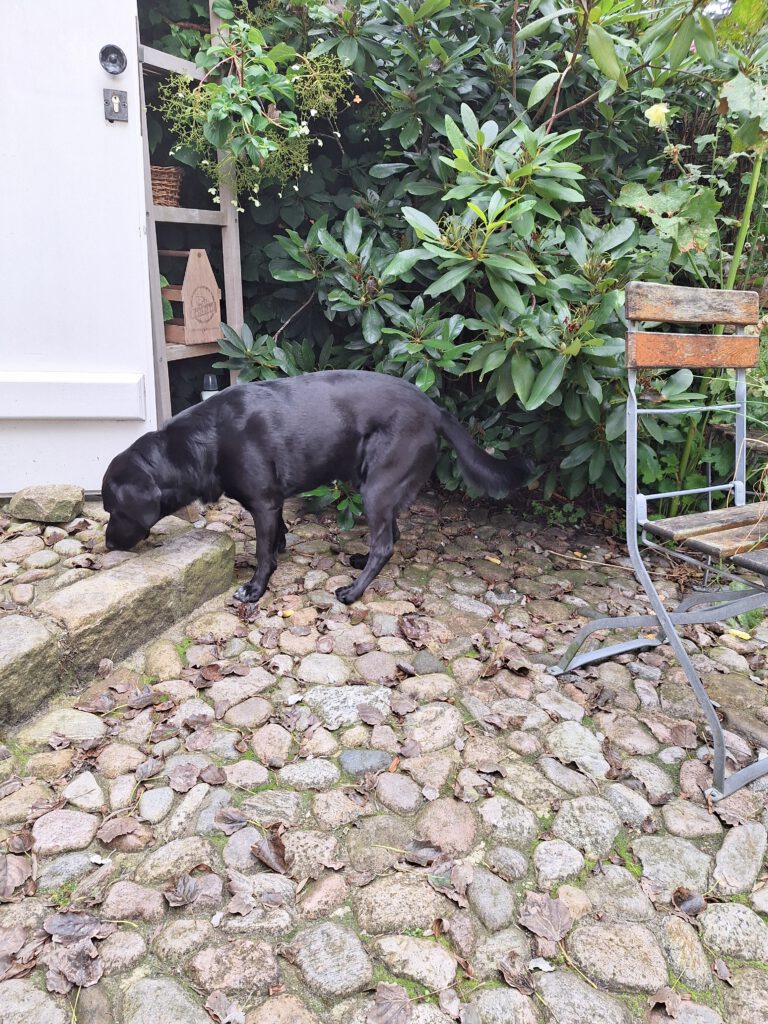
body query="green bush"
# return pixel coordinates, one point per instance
(475, 203)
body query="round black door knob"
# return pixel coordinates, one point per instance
(112, 59)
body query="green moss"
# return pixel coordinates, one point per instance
(182, 647)
(621, 845)
(61, 897)
(414, 989)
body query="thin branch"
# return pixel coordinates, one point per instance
(293, 316)
(576, 48)
(514, 50)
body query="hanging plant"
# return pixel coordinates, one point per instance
(253, 105)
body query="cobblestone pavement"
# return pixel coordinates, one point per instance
(392, 812)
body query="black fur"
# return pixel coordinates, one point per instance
(261, 443)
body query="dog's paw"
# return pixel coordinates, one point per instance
(358, 561)
(346, 595)
(246, 594)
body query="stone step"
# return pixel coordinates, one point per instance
(108, 615)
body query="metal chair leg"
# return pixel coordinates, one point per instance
(570, 660)
(681, 654)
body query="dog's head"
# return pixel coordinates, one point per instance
(132, 498)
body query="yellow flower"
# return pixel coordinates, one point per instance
(657, 115)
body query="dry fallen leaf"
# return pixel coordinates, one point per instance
(271, 851)
(230, 819)
(224, 1010)
(545, 917)
(116, 827)
(449, 1003)
(669, 999)
(391, 1005)
(184, 891)
(183, 777)
(516, 974)
(723, 971)
(14, 872)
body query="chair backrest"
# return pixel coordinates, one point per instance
(671, 304)
(664, 303)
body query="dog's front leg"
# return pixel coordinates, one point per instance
(269, 533)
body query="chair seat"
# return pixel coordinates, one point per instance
(739, 533)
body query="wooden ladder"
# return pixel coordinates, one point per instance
(225, 217)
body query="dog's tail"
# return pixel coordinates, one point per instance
(483, 472)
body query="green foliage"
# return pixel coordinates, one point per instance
(481, 183)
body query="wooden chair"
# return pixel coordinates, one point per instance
(725, 541)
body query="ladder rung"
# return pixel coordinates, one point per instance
(182, 253)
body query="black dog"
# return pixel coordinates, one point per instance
(261, 443)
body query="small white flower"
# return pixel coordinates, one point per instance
(313, 112)
(306, 167)
(295, 188)
(319, 142)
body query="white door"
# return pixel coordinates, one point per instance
(76, 368)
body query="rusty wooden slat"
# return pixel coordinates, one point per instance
(648, 348)
(727, 543)
(701, 523)
(668, 303)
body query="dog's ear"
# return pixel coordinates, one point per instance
(146, 506)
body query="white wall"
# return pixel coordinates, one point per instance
(76, 369)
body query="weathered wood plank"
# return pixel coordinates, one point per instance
(174, 352)
(649, 348)
(701, 523)
(754, 561)
(727, 543)
(157, 59)
(187, 215)
(667, 303)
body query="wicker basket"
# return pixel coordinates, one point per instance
(166, 185)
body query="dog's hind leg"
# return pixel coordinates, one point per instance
(270, 530)
(380, 524)
(281, 532)
(360, 561)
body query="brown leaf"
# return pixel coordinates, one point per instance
(411, 748)
(271, 851)
(420, 852)
(213, 775)
(224, 1010)
(183, 892)
(449, 1003)
(144, 697)
(149, 768)
(391, 1005)
(14, 872)
(230, 820)
(183, 777)
(402, 704)
(211, 673)
(79, 963)
(669, 999)
(58, 742)
(9, 787)
(370, 715)
(11, 940)
(110, 830)
(723, 971)
(72, 926)
(200, 739)
(516, 974)
(546, 917)
(56, 982)
(688, 902)
(612, 756)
